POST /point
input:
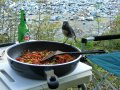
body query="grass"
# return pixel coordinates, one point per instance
(4, 38)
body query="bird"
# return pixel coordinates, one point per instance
(68, 31)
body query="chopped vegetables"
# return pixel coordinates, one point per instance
(35, 57)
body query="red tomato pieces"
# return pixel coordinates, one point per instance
(35, 57)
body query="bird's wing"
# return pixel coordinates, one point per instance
(72, 31)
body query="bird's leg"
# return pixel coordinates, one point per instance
(65, 40)
(75, 39)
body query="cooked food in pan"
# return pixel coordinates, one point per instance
(36, 57)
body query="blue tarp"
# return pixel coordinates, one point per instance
(108, 61)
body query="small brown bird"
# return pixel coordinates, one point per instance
(68, 31)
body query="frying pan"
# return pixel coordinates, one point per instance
(43, 72)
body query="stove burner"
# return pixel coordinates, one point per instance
(10, 80)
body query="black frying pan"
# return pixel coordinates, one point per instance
(34, 71)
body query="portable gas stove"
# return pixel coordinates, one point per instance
(10, 80)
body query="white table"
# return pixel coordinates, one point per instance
(13, 81)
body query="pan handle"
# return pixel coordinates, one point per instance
(52, 79)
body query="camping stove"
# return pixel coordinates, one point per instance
(10, 80)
